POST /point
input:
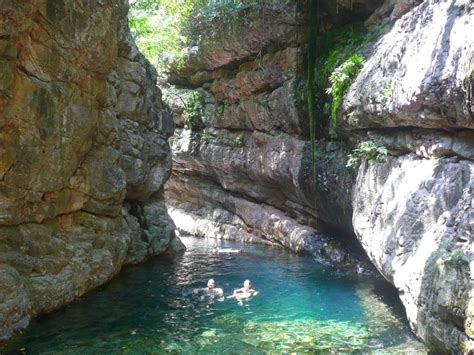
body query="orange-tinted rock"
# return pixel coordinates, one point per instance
(83, 136)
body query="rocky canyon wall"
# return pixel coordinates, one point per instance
(84, 154)
(414, 213)
(242, 161)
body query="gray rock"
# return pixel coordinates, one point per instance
(409, 81)
(212, 212)
(401, 213)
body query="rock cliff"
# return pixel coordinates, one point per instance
(242, 166)
(242, 158)
(414, 213)
(84, 154)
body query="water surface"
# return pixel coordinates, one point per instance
(302, 307)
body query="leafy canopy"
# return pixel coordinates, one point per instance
(156, 26)
(161, 28)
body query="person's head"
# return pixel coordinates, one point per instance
(211, 284)
(215, 247)
(247, 284)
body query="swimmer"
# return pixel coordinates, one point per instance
(229, 250)
(216, 250)
(211, 290)
(244, 293)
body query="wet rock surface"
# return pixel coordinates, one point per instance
(84, 154)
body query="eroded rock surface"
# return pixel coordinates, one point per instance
(414, 214)
(84, 154)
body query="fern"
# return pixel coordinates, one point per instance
(368, 150)
(340, 79)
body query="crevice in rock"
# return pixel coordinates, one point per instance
(136, 210)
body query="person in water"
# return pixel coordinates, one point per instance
(211, 290)
(244, 293)
(216, 250)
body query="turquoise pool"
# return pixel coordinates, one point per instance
(302, 307)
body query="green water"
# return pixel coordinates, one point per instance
(302, 307)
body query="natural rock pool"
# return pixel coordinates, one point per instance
(302, 307)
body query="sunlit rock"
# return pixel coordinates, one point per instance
(414, 217)
(420, 72)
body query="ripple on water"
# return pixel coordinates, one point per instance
(302, 307)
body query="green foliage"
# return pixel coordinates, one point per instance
(146, 5)
(225, 9)
(240, 140)
(220, 109)
(161, 28)
(387, 92)
(156, 26)
(340, 80)
(344, 42)
(206, 137)
(366, 150)
(333, 49)
(328, 51)
(193, 110)
(468, 86)
(439, 161)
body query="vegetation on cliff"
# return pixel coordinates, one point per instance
(161, 27)
(156, 27)
(332, 67)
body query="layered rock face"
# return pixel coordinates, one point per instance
(84, 154)
(242, 158)
(242, 163)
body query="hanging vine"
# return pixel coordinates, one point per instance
(311, 60)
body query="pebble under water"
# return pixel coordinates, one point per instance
(302, 307)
